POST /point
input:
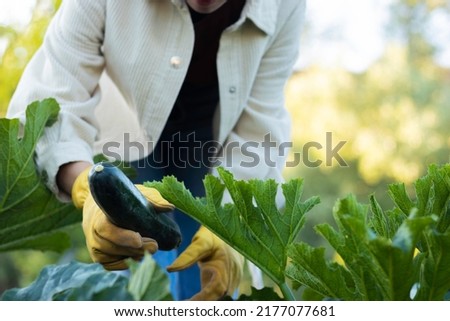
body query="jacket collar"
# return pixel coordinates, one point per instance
(263, 13)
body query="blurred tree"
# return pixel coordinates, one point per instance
(21, 45)
(393, 117)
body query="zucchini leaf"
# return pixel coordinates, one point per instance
(434, 280)
(30, 215)
(252, 224)
(385, 223)
(77, 281)
(396, 257)
(433, 191)
(376, 268)
(73, 281)
(399, 254)
(310, 268)
(148, 282)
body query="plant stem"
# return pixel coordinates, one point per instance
(287, 292)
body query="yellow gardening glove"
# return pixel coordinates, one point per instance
(220, 265)
(107, 243)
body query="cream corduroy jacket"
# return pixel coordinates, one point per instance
(144, 47)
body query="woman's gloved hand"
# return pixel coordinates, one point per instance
(220, 265)
(107, 243)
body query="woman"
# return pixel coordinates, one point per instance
(215, 69)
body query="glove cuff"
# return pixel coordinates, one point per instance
(80, 188)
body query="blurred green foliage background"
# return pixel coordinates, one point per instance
(393, 116)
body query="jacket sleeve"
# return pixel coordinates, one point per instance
(264, 127)
(66, 67)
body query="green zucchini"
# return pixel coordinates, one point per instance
(126, 207)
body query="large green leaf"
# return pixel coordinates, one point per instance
(148, 282)
(434, 280)
(30, 214)
(433, 191)
(351, 242)
(73, 281)
(252, 224)
(376, 268)
(396, 256)
(400, 197)
(380, 253)
(385, 223)
(309, 267)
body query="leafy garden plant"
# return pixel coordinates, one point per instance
(252, 223)
(77, 281)
(398, 254)
(30, 215)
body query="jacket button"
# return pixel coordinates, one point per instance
(232, 90)
(175, 62)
